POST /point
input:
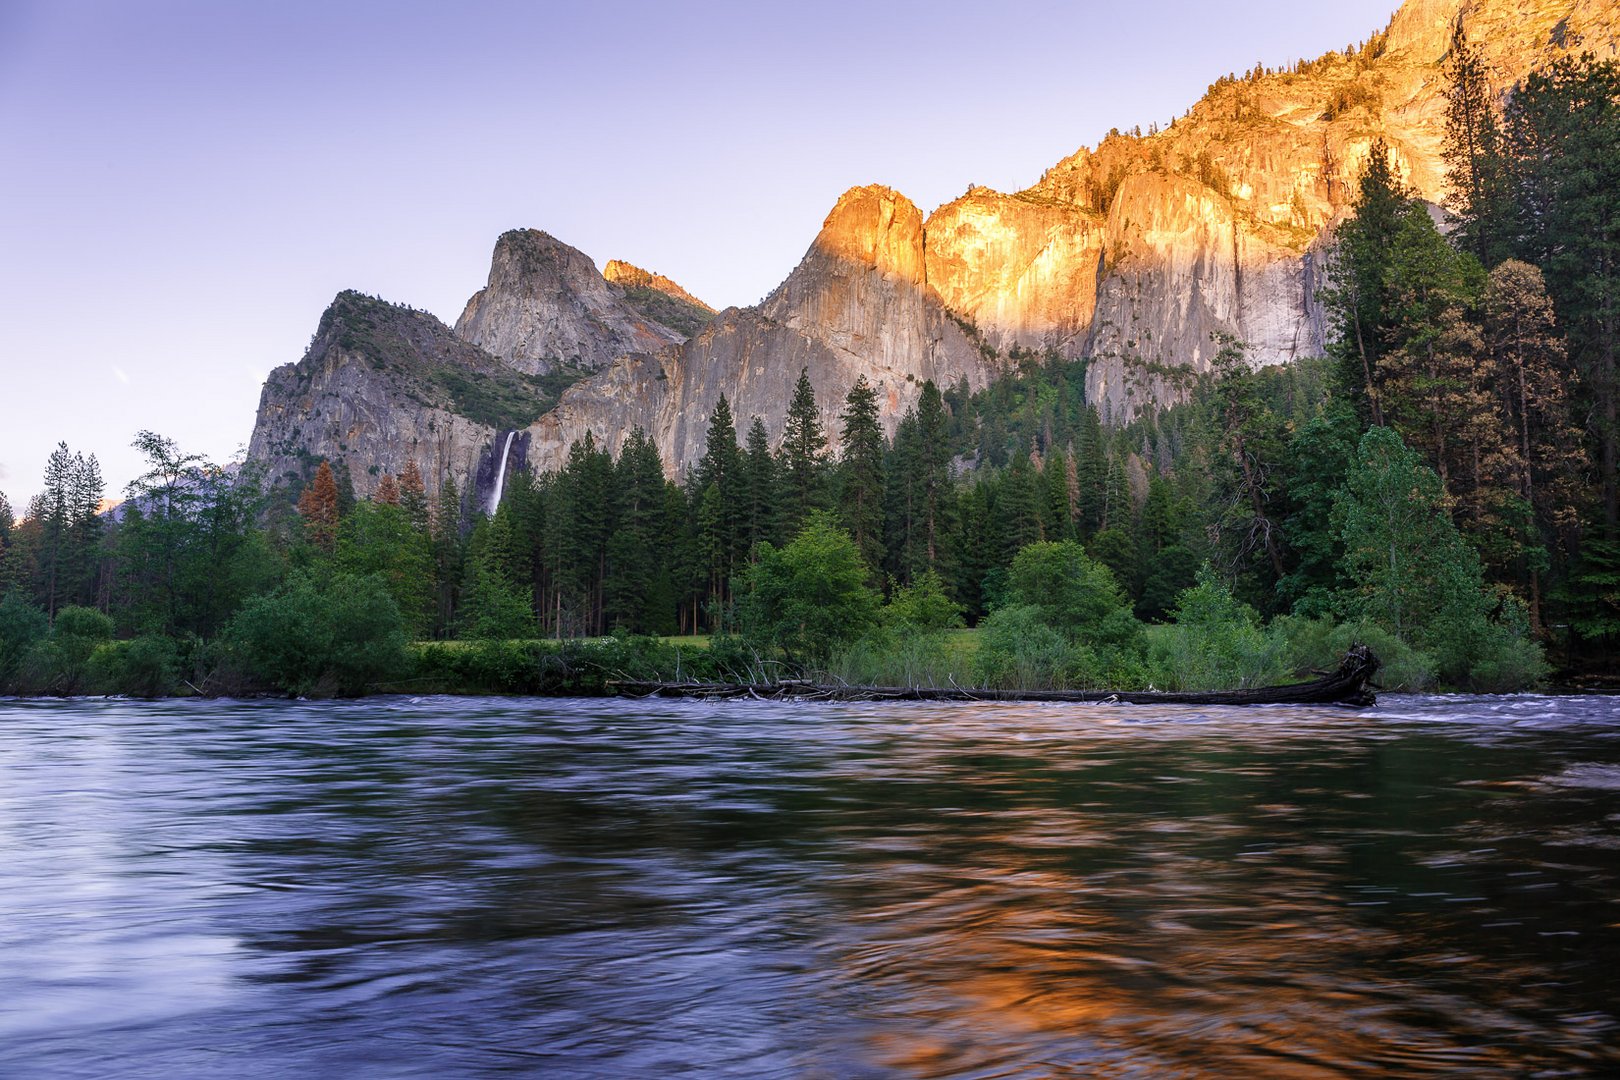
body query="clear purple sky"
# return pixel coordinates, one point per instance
(184, 185)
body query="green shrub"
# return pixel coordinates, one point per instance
(342, 636)
(146, 666)
(1215, 643)
(22, 627)
(903, 656)
(1319, 644)
(923, 605)
(1018, 650)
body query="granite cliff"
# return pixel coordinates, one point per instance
(382, 384)
(857, 304)
(1131, 254)
(546, 308)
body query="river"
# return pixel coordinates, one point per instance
(577, 888)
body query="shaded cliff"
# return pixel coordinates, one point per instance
(382, 384)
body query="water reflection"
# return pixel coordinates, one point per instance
(657, 889)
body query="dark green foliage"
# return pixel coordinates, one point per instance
(342, 635)
(860, 477)
(1563, 134)
(22, 627)
(811, 596)
(804, 467)
(147, 666)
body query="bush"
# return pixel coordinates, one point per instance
(903, 656)
(1215, 643)
(147, 666)
(923, 606)
(22, 627)
(1018, 650)
(1319, 644)
(339, 637)
(1073, 592)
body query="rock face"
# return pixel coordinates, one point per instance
(382, 385)
(546, 308)
(1133, 255)
(857, 304)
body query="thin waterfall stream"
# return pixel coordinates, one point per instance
(500, 474)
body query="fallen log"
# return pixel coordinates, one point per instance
(1350, 684)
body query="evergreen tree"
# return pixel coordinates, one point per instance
(860, 474)
(447, 555)
(804, 457)
(1476, 167)
(934, 462)
(413, 496)
(717, 498)
(760, 491)
(1563, 127)
(318, 506)
(1357, 300)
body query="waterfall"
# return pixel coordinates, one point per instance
(500, 474)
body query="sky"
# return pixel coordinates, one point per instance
(184, 186)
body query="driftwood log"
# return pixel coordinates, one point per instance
(1351, 684)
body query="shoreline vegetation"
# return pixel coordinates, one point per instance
(1443, 487)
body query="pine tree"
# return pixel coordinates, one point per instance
(804, 457)
(447, 554)
(413, 496)
(933, 441)
(1476, 175)
(387, 491)
(318, 506)
(861, 480)
(760, 491)
(1563, 127)
(718, 502)
(1357, 300)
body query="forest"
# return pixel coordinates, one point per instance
(1442, 487)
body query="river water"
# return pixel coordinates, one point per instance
(571, 888)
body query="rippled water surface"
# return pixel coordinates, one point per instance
(450, 887)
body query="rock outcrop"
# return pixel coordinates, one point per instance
(857, 304)
(547, 309)
(382, 385)
(1132, 254)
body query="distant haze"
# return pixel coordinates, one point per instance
(187, 184)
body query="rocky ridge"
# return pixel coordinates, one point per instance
(1131, 255)
(546, 308)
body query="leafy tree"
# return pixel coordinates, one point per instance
(1407, 567)
(378, 538)
(809, 597)
(22, 627)
(924, 605)
(1074, 593)
(342, 635)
